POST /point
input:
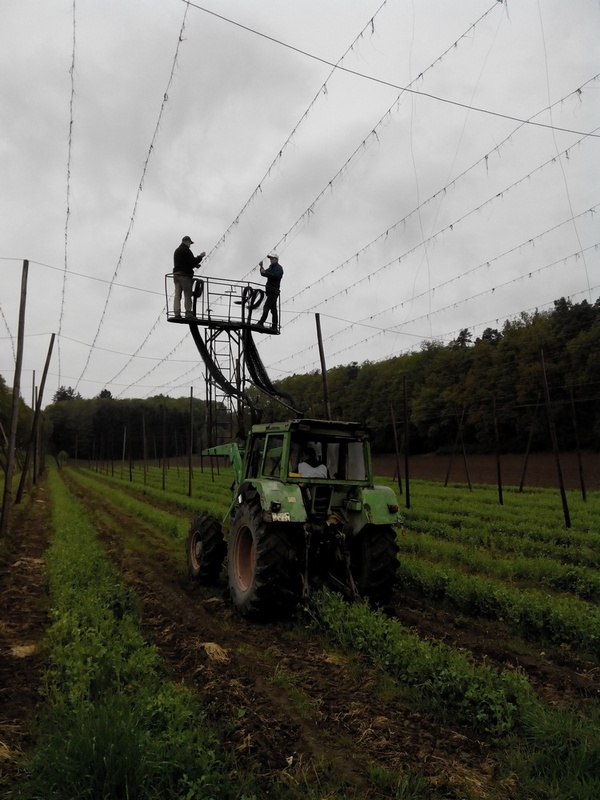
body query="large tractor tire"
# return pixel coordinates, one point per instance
(264, 576)
(374, 562)
(205, 549)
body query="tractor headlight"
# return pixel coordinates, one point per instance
(275, 506)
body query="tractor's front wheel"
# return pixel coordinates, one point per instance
(374, 562)
(264, 578)
(205, 549)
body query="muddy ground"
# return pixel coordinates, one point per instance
(289, 700)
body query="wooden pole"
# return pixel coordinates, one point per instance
(164, 447)
(144, 450)
(498, 468)
(561, 485)
(396, 448)
(12, 437)
(406, 444)
(323, 368)
(191, 441)
(529, 440)
(124, 450)
(34, 427)
(579, 460)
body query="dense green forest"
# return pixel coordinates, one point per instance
(492, 389)
(494, 382)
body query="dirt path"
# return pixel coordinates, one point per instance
(23, 599)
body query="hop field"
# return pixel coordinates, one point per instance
(479, 679)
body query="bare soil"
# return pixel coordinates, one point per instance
(287, 701)
(539, 470)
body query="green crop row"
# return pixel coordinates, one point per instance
(446, 680)
(553, 575)
(551, 753)
(161, 520)
(534, 614)
(111, 725)
(203, 484)
(212, 503)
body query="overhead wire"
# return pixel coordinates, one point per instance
(258, 188)
(530, 242)
(384, 82)
(454, 305)
(344, 169)
(139, 189)
(113, 282)
(483, 160)
(68, 192)
(446, 229)
(562, 169)
(322, 91)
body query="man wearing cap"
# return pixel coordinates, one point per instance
(273, 273)
(184, 264)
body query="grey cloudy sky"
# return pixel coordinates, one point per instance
(398, 217)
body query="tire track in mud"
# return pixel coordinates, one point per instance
(286, 701)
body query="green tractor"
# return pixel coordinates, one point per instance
(304, 512)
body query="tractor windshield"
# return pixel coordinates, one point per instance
(328, 457)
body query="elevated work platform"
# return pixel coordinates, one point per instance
(227, 311)
(221, 303)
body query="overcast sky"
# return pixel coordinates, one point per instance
(399, 216)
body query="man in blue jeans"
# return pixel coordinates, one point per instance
(184, 264)
(273, 274)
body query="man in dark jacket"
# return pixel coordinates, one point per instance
(184, 264)
(273, 274)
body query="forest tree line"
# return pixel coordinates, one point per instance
(491, 390)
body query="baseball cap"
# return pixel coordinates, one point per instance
(273, 254)
(187, 239)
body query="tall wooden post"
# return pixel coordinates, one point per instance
(406, 444)
(191, 441)
(34, 427)
(323, 368)
(498, 466)
(164, 447)
(397, 449)
(12, 437)
(561, 485)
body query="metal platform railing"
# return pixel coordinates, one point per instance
(218, 302)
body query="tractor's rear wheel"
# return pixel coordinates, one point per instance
(205, 549)
(374, 562)
(264, 578)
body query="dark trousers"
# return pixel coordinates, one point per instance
(270, 305)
